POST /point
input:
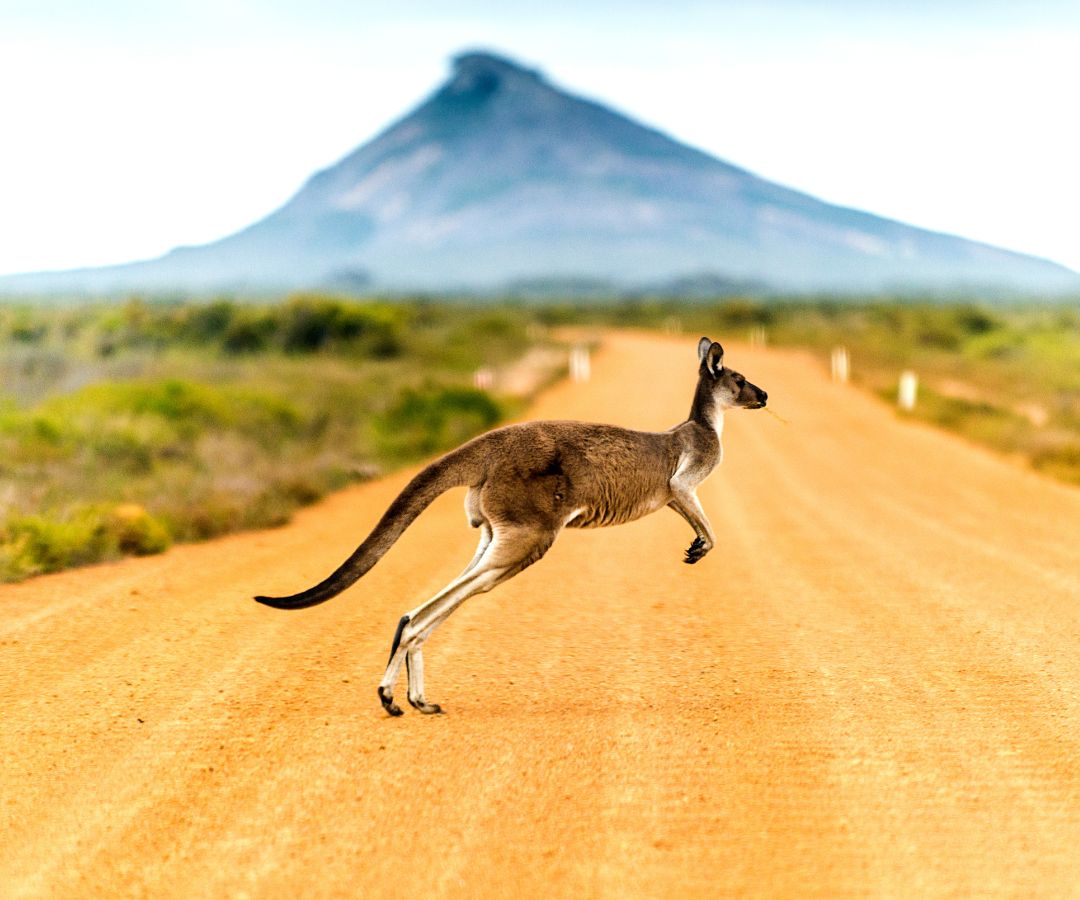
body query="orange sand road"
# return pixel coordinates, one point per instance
(871, 687)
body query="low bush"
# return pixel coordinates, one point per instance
(133, 426)
(37, 544)
(431, 419)
(1061, 461)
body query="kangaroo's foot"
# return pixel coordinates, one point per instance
(387, 700)
(696, 551)
(421, 704)
(414, 663)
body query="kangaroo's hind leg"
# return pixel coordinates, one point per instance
(463, 586)
(414, 659)
(510, 551)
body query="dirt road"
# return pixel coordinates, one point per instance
(871, 687)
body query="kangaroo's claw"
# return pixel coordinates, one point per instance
(695, 552)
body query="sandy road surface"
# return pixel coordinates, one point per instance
(871, 687)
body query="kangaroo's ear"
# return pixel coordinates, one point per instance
(702, 348)
(714, 358)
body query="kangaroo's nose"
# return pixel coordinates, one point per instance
(764, 396)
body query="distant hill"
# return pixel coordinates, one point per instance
(500, 179)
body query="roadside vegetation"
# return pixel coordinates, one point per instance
(127, 427)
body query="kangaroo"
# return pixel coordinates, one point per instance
(527, 483)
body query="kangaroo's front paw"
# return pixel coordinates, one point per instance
(387, 700)
(696, 551)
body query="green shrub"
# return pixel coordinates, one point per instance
(188, 408)
(741, 313)
(248, 333)
(26, 332)
(121, 449)
(1061, 461)
(36, 543)
(41, 543)
(135, 532)
(35, 437)
(973, 320)
(432, 418)
(313, 323)
(208, 322)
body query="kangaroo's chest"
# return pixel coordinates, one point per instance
(696, 462)
(692, 470)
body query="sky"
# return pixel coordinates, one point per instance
(128, 128)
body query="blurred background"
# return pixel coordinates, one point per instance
(252, 252)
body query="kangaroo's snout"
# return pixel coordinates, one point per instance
(756, 399)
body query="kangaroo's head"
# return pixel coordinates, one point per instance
(720, 387)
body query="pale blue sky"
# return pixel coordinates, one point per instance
(127, 128)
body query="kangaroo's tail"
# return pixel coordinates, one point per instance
(457, 468)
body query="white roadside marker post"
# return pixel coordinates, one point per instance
(909, 389)
(483, 379)
(580, 369)
(841, 365)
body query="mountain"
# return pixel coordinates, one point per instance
(501, 179)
